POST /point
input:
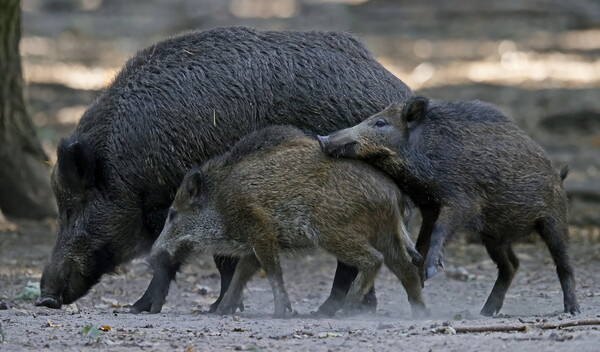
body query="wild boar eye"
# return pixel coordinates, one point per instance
(69, 212)
(380, 123)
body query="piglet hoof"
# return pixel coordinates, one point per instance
(353, 307)
(213, 307)
(572, 309)
(420, 312)
(492, 305)
(281, 307)
(415, 257)
(282, 315)
(489, 309)
(228, 306)
(430, 272)
(369, 302)
(431, 269)
(222, 310)
(488, 312)
(328, 308)
(352, 311)
(225, 309)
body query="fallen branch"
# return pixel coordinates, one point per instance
(525, 327)
(491, 328)
(567, 324)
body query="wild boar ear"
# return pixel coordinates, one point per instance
(415, 109)
(193, 184)
(76, 164)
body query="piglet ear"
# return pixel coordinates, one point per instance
(192, 184)
(415, 109)
(76, 164)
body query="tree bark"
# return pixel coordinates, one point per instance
(24, 178)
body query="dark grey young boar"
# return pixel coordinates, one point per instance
(467, 166)
(276, 192)
(179, 103)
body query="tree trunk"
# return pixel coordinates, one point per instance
(24, 179)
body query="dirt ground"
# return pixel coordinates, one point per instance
(538, 60)
(454, 298)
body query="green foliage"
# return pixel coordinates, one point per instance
(91, 332)
(31, 291)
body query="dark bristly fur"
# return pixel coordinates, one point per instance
(467, 166)
(178, 103)
(275, 191)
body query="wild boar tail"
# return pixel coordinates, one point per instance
(564, 172)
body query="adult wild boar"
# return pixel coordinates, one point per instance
(178, 103)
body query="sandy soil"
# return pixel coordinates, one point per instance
(534, 298)
(70, 51)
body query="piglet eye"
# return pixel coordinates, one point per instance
(172, 214)
(380, 123)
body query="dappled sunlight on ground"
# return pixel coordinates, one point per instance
(71, 75)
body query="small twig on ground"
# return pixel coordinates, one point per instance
(491, 328)
(525, 327)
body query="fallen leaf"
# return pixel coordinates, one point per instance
(329, 334)
(191, 348)
(105, 328)
(113, 303)
(50, 325)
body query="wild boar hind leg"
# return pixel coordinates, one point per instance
(368, 263)
(245, 269)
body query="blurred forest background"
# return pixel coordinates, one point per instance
(537, 59)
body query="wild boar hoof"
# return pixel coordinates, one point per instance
(49, 302)
(152, 306)
(329, 308)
